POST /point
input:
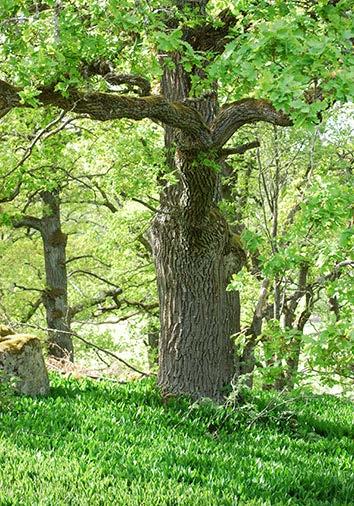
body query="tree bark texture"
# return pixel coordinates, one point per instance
(195, 258)
(55, 296)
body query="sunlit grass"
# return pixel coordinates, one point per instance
(92, 443)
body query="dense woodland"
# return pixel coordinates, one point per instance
(176, 213)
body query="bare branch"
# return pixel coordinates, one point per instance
(74, 259)
(27, 289)
(111, 354)
(141, 305)
(106, 201)
(34, 306)
(95, 346)
(340, 265)
(248, 110)
(145, 204)
(38, 136)
(88, 273)
(15, 192)
(97, 300)
(239, 150)
(108, 322)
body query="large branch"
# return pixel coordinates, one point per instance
(208, 37)
(107, 106)
(28, 222)
(248, 110)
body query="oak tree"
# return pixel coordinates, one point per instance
(202, 70)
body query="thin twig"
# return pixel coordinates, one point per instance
(92, 345)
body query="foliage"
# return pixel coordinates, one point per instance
(294, 206)
(89, 177)
(108, 444)
(280, 50)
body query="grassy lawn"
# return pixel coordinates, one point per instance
(92, 443)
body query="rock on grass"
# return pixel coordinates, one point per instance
(21, 359)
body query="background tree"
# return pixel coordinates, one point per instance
(52, 182)
(296, 230)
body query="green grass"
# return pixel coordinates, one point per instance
(93, 443)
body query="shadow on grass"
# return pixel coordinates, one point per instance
(65, 409)
(126, 431)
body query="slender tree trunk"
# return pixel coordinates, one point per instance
(288, 377)
(55, 297)
(296, 346)
(248, 360)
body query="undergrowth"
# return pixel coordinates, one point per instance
(98, 443)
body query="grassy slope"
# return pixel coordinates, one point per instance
(95, 443)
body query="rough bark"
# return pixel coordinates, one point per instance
(196, 353)
(55, 296)
(195, 257)
(163, 108)
(194, 251)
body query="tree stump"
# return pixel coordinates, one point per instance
(21, 359)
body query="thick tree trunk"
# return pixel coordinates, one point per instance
(195, 257)
(196, 355)
(55, 297)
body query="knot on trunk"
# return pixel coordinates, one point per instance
(57, 314)
(53, 293)
(206, 233)
(235, 250)
(58, 238)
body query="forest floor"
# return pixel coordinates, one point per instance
(99, 443)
